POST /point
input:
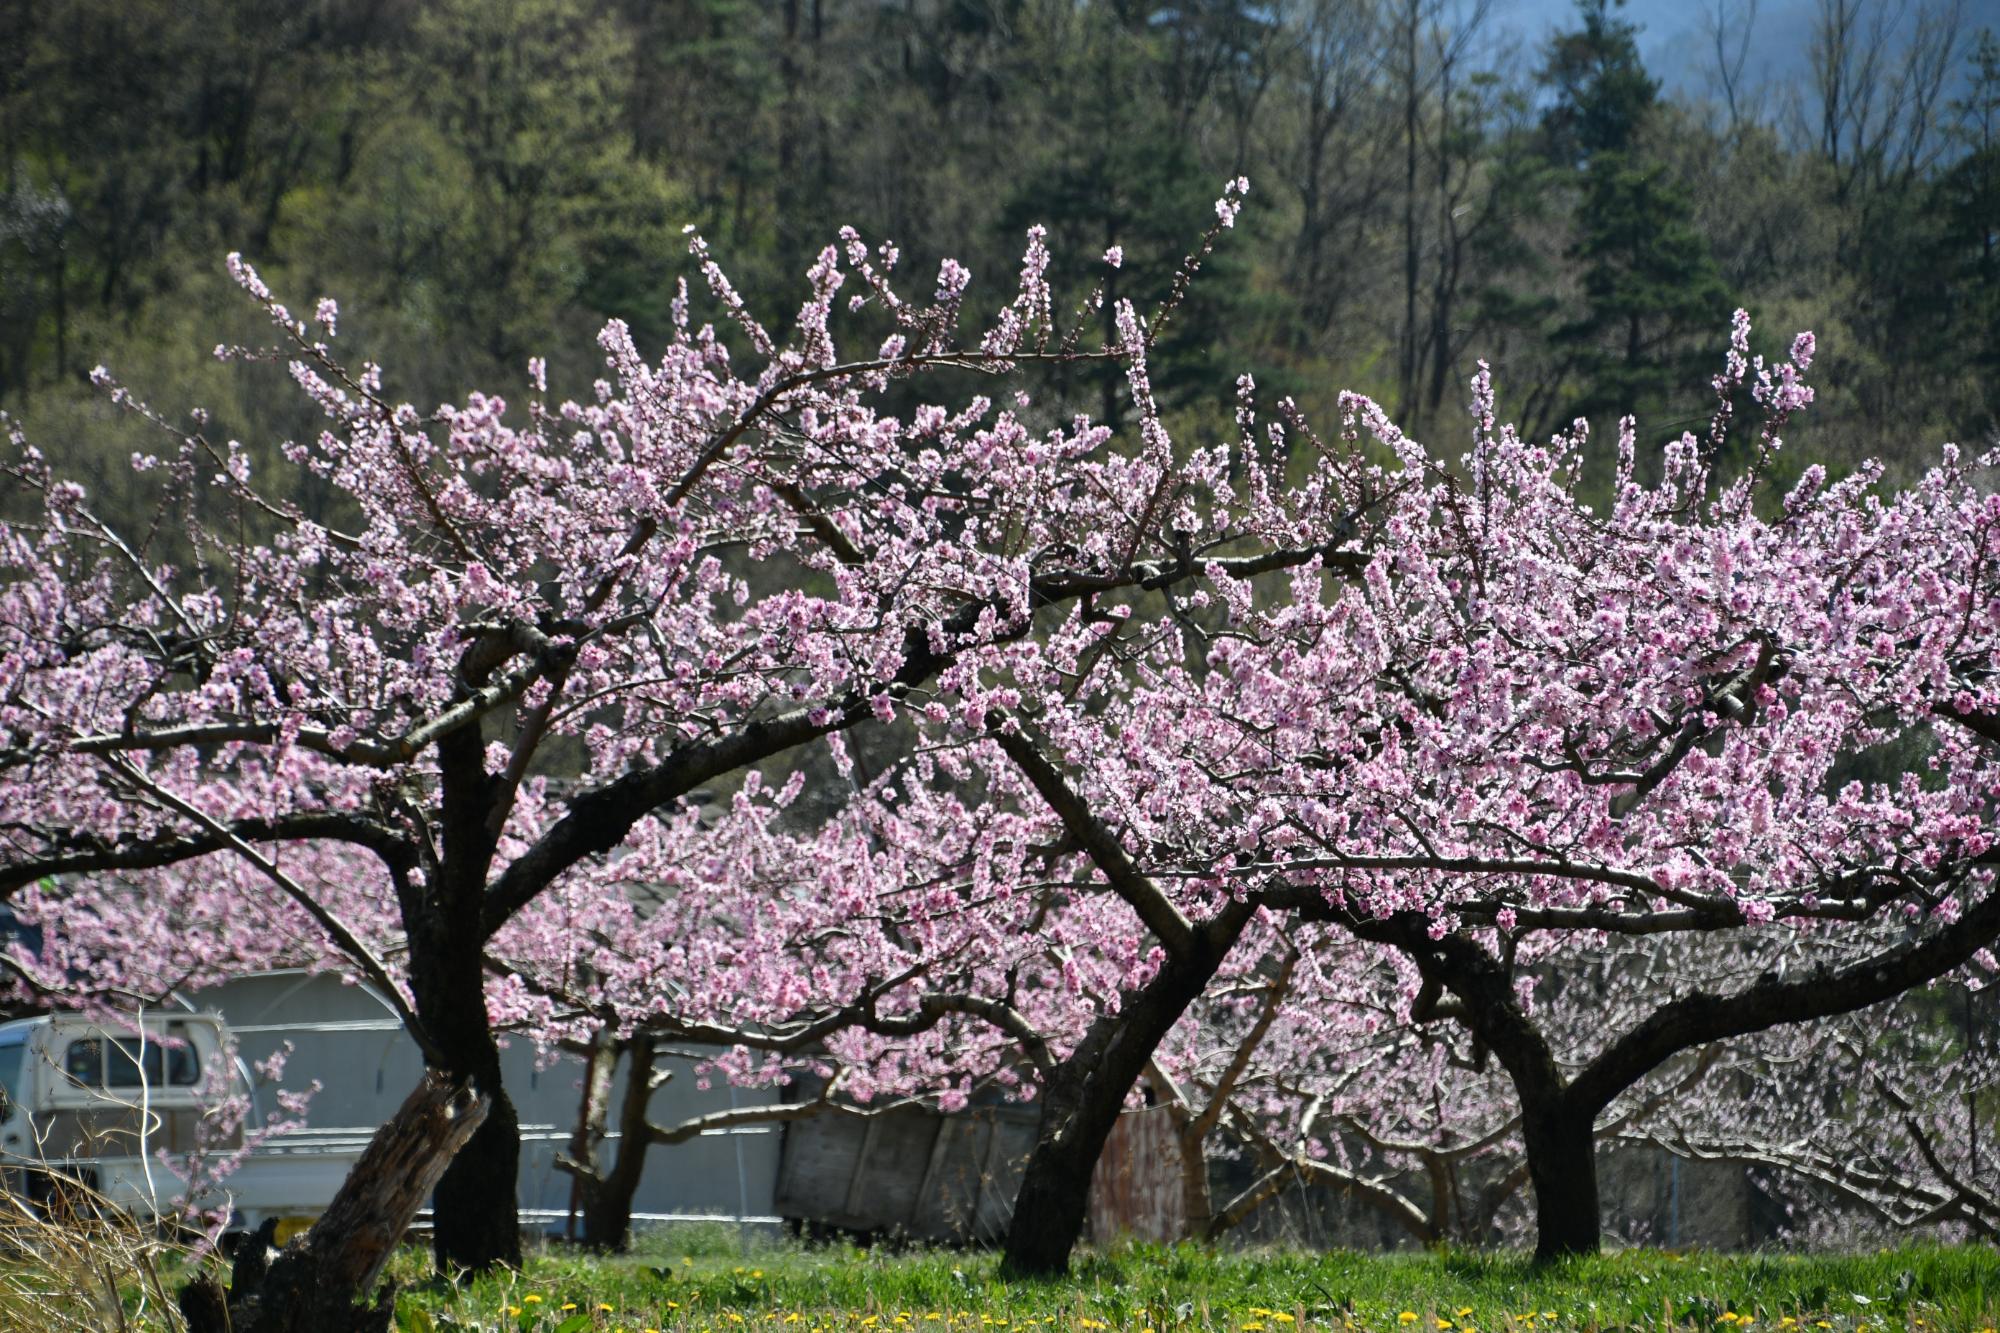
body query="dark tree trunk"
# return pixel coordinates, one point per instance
(607, 1207)
(1082, 1101)
(1562, 1166)
(474, 1216)
(1054, 1198)
(475, 1223)
(474, 1213)
(1557, 1120)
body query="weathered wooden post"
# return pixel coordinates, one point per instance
(316, 1283)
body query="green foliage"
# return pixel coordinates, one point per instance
(1650, 293)
(480, 181)
(1602, 95)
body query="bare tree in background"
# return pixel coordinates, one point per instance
(1878, 73)
(1729, 28)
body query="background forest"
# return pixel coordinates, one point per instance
(479, 181)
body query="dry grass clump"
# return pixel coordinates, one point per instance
(78, 1263)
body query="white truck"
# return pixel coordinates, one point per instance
(91, 1103)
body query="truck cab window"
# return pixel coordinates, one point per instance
(130, 1066)
(83, 1062)
(122, 1062)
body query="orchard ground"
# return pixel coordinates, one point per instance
(699, 1280)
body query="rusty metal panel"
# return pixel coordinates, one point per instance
(1136, 1189)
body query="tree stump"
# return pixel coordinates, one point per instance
(313, 1284)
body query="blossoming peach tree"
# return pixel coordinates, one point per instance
(1859, 1127)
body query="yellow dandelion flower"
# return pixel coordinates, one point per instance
(755, 1272)
(571, 1305)
(1444, 1324)
(1464, 1312)
(1253, 1328)
(1727, 1317)
(531, 1299)
(605, 1308)
(514, 1312)
(1282, 1317)
(1407, 1317)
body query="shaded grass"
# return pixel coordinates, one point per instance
(797, 1289)
(95, 1269)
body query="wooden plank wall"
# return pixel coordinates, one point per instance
(1136, 1189)
(911, 1171)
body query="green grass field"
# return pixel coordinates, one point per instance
(698, 1281)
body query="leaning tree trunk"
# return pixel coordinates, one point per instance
(315, 1283)
(1081, 1104)
(1562, 1167)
